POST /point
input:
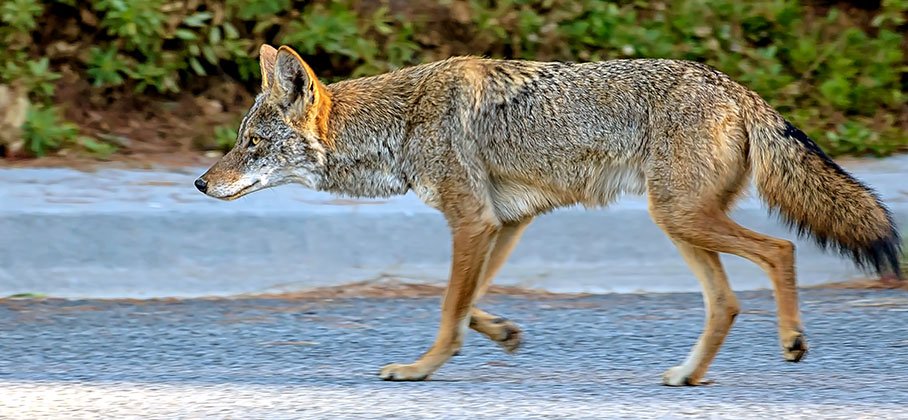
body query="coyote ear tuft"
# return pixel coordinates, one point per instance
(267, 57)
(295, 87)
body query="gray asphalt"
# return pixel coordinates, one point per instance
(590, 357)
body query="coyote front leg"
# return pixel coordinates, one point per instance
(499, 329)
(473, 242)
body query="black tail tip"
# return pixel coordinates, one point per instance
(884, 256)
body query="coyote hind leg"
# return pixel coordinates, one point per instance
(691, 186)
(703, 234)
(721, 310)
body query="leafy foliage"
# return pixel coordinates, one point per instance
(838, 71)
(44, 130)
(225, 137)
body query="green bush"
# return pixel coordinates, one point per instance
(44, 130)
(839, 73)
(225, 137)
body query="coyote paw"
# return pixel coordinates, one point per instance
(794, 348)
(682, 376)
(507, 334)
(502, 331)
(402, 372)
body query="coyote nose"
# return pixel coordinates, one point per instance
(201, 185)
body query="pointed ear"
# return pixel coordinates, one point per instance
(267, 57)
(295, 86)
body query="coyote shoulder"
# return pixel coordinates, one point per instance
(493, 143)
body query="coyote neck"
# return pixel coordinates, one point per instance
(367, 127)
(359, 173)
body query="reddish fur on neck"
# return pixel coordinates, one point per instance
(322, 115)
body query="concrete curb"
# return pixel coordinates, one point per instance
(118, 233)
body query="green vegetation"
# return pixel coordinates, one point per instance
(225, 137)
(43, 130)
(26, 296)
(838, 71)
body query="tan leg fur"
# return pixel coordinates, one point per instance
(721, 309)
(700, 236)
(500, 330)
(473, 242)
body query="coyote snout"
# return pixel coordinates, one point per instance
(227, 184)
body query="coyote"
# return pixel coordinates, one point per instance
(492, 143)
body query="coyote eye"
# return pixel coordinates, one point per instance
(254, 141)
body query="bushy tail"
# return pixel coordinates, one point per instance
(817, 197)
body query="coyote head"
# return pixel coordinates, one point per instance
(283, 137)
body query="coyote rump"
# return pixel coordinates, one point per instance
(493, 143)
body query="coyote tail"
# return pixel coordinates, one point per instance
(815, 196)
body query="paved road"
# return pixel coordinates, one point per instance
(589, 357)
